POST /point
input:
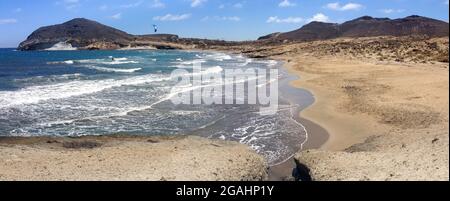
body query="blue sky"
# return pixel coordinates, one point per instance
(215, 19)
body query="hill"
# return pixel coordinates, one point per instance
(366, 26)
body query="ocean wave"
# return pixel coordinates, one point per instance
(69, 62)
(215, 69)
(219, 56)
(116, 70)
(247, 61)
(61, 46)
(268, 63)
(187, 64)
(51, 78)
(116, 61)
(36, 94)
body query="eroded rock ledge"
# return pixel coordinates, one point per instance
(128, 158)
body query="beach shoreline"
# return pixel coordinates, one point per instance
(366, 120)
(316, 135)
(279, 172)
(370, 142)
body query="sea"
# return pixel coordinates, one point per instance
(127, 92)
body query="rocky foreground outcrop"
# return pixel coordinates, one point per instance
(128, 158)
(422, 156)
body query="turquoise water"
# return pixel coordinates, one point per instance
(75, 93)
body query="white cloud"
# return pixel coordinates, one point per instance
(286, 3)
(170, 17)
(319, 17)
(117, 16)
(132, 5)
(347, 7)
(288, 20)
(222, 18)
(69, 4)
(103, 7)
(157, 4)
(239, 5)
(197, 3)
(390, 11)
(8, 21)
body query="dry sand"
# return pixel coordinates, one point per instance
(386, 121)
(128, 158)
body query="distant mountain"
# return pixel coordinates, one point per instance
(82, 33)
(78, 32)
(87, 34)
(366, 27)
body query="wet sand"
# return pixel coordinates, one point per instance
(317, 136)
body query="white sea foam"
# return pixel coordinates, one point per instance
(116, 61)
(36, 94)
(247, 61)
(219, 56)
(61, 46)
(69, 62)
(120, 59)
(215, 69)
(187, 64)
(269, 63)
(50, 78)
(117, 70)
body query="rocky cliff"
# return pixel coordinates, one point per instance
(82, 33)
(79, 33)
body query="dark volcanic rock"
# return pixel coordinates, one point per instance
(273, 35)
(163, 37)
(313, 31)
(78, 32)
(366, 26)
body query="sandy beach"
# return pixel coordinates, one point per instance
(380, 113)
(387, 121)
(382, 100)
